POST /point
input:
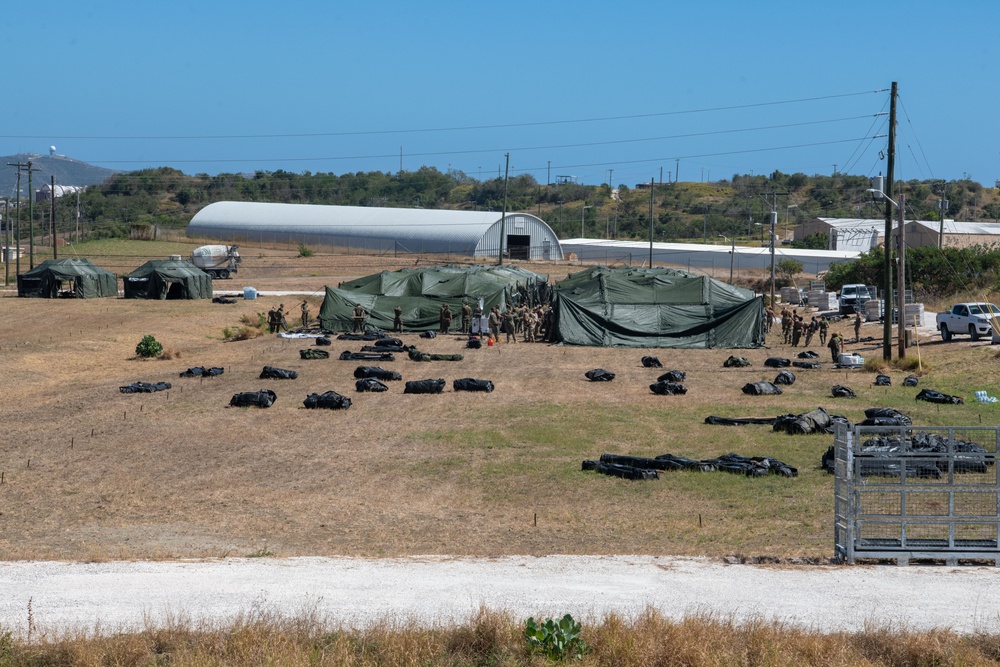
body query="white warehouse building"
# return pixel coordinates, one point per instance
(375, 229)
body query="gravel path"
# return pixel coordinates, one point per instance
(440, 589)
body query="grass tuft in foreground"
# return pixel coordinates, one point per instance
(493, 638)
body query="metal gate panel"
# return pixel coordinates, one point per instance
(914, 492)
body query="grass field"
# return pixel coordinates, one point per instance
(91, 474)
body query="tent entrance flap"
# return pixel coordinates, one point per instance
(519, 246)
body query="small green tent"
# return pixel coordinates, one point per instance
(635, 307)
(420, 293)
(75, 277)
(168, 279)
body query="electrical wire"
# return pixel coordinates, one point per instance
(659, 114)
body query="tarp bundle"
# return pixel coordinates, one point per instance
(369, 385)
(201, 371)
(777, 362)
(168, 279)
(885, 417)
(637, 467)
(882, 380)
(815, 421)
(651, 362)
(634, 307)
(417, 355)
(760, 389)
(933, 396)
(264, 398)
(330, 400)
(472, 384)
(144, 387)
(599, 375)
(313, 353)
(424, 386)
(376, 372)
(87, 281)
(420, 293)
(785, 378)
(672, 376)
(272, 373)
(841, 391)
(668, 388)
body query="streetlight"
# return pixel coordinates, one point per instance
(732, 255)
(583, 215)
(900, 281)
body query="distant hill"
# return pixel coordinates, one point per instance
(66, 170)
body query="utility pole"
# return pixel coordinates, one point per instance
(6, 256)
(651, 183)
(31, 218)
(52, 214)
(887, 265)
(17, 229)
(943, 206)
(901, 278)
(503, 217)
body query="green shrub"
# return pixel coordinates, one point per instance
(148, 348)
(556, 640)
(304, 251)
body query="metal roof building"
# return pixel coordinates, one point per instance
(474, 233)
(713, 259)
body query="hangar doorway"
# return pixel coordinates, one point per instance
(519, 246)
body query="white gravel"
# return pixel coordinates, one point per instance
(439, 589)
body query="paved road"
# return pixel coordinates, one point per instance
(441, 589)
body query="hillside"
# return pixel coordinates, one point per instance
(66, 170)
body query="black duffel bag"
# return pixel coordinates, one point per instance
(911, 381)
(388, 341)
(600, 375)
(840, 391)
(376, 372)
(424, 387)
(201, 371)
(882, 381)
(272, 373)
(472, 384)
(668, 388)
(323, 340)
(807, 364)
(651, 362)
(144, 387)
(264, 398)
(933, 396)
(760, 389)
(672, 376)
(330, 400)
(777, 362)
(785, 378)
(474, 343)
(370, 384)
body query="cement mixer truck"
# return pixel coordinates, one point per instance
(218, 261)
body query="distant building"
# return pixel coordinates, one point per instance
(45, 192)
(863, 234)
(382, 230)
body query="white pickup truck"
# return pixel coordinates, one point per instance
(975, 319)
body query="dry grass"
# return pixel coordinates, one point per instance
(491, 638)
(93, 474)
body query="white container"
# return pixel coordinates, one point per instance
(249, 292)
(854, 360)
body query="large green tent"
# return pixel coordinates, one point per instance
(635, 307)
(420, 293)
(67, 277)
(168, 279)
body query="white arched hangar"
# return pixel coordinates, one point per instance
(410, 230)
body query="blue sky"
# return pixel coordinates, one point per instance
(587, 89)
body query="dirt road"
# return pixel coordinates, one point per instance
(439, 589)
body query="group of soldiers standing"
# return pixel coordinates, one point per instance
(794, 327)
(533, 324)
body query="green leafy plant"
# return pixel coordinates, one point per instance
(304, 251)
(558, 640)
(148, 348)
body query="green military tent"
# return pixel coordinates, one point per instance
(75, 277)
(420, 293)
(168, 279)
(634, 307)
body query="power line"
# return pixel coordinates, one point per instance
(658, 114)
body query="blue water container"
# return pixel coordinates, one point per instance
(249, 292)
